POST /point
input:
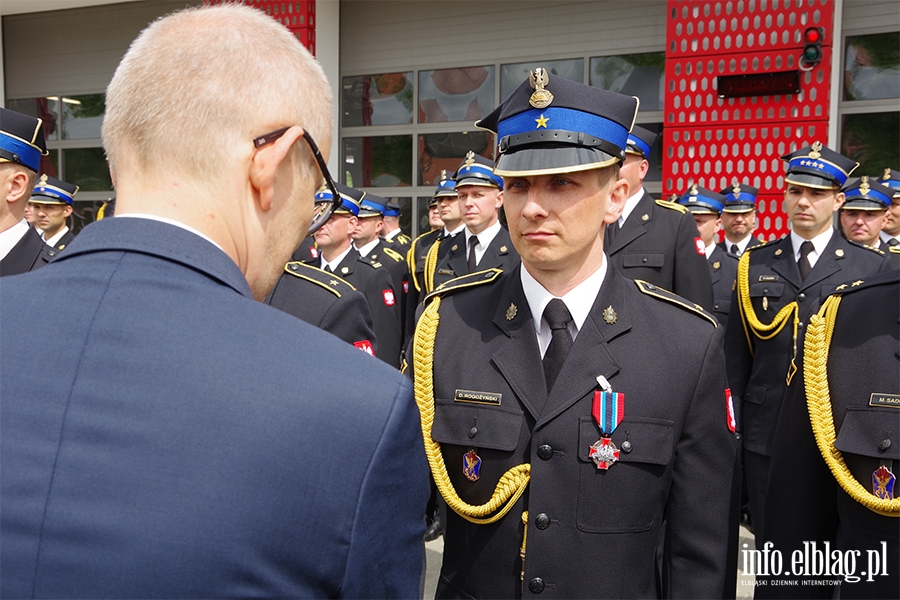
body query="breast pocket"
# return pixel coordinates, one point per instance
(630, 495)
(869, 432)
(652, 260)
(476, 425)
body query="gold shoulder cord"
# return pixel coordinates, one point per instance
(511, 485)
(759, 329)
(431, 265)
(411, 263)
(818, 400)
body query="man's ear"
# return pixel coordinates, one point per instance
(19, 187)
(500, 199)
(68, 210)
(266, 161)
(838, 201)
(618, 194)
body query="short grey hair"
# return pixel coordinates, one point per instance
(199, 84)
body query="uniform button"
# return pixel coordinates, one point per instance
(545, 452)
(542, 521)
(885, 444)
(536, 585)
(801, 296)
(766, 291)
(473, 432)
(644, 259)
(716, 307)
(626, 446)
(800, 325)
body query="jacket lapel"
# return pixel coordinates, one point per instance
(496, 250)
(456, 259)
(827, 264)
(784, 264)
(518, 357)
(590, 355)
(635, 224)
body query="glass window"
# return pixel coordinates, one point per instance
(385, 99)
(445, 151)
(465, 94)
(872, 67)
(46, 109)
(511, 76)
(871, 140)
(383, 161)
(641, 75)
(87, 168)
(422, 224)
(82, 116)
(405, 213)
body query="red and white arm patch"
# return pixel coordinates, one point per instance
(365, 346)
(701, 247)
(729, 411)
(389, 299)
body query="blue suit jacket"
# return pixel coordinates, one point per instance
(164, 435)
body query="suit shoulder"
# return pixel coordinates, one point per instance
(370, 262)
(894, 249)
(756, 249)
(314, 275)
(891, 277)
(462, 282)
(662, 294)
(672, 206)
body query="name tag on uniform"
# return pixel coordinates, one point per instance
(768, 278)
(477, 397)
(884, 400)
(445, 272)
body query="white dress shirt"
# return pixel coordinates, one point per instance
(819, 243)
(484, 240)
(11, 237)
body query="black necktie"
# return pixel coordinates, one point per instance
(473, 241)
(557, 316)
(804, 264)
(327, 269)
(735, 250)
(893, 242)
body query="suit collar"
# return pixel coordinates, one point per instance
(160, 239)
(826, 265)
(635, 225)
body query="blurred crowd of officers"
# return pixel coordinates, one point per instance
(658, 388)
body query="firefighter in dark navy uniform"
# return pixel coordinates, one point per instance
(418, 253)
(890, 231)
(21, 147)
(485, 241)
(739, 218)
(778, 285)
(554, 380)
(336, 255)
(51, 200)
(835, 483)
(656, 240)
(393, 236)
(706, 208)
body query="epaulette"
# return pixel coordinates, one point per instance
(662, 294)
(894, 249)
(672, 205)
(465, 281)
(371, 262)
(403, 239)
(872, 248)
(329, 281)
(393, 254)
(859, 284)
(758, 246)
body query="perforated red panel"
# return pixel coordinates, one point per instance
(710, 140)
(299, 17)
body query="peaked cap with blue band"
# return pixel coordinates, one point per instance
(372, 206)
(21, 139)
(550, 125)
(866, 193)
(350, 198)
(446, 187)
(50, 190)
(640, 141)
(477, 170)
(740, 198)
(891, 179)
(701, 201)
(392, 208)
(818, 167)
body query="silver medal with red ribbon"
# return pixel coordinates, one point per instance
(608, 408)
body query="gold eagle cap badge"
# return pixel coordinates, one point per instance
(539, 79)
(470, 159)
(609, 315)
(737, 187)
(864, 185)
(43, 179)
(887, 173)
(816, 150)
(511, 312)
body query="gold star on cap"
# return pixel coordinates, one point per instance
(470, 159)
(839, 252)
(539, 79)
(816, 150)
(541, 122)
(511, 312)
(609, 315)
